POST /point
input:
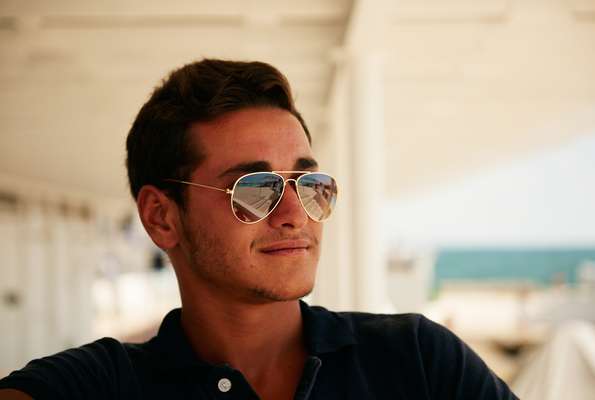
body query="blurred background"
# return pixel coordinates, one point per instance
(462, 133)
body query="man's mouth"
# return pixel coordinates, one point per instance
(287, 247)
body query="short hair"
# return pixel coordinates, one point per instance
(159, 145)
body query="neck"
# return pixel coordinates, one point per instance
(242, 334)
(264, 341)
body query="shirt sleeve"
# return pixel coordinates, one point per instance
(99, 370)
(453, 370)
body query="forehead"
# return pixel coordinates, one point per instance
(252, 134)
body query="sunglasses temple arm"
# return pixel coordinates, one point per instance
(228, 191)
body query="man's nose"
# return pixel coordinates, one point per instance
(289, 212)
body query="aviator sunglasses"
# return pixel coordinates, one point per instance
(255, 195)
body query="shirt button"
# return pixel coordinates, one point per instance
(224, 385)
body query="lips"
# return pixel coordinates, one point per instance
(286, 247)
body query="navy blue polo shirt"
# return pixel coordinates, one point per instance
(351, 356)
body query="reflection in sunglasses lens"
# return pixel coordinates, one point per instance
(255, 195)
(318, 193)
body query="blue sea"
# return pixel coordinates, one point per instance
(542, 266)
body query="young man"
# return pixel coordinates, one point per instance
(244, 242)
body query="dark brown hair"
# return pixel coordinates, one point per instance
(159, 145)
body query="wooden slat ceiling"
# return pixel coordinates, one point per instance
(469, 84)
(73, 74)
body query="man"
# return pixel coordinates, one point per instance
(244, 242)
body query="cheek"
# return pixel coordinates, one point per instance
(233, 237)
(216, 221)
(212, 210)
(238, 238)
(317, 228)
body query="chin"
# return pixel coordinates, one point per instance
(282, 294)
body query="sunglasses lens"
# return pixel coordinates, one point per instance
(318, 193)
(255, 195)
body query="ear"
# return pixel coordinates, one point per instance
(159, 215)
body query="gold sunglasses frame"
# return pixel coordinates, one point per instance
(278, 173)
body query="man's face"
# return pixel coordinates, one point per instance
(274, 259)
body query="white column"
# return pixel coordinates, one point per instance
(334, 285)
(11, 292)
(83, 260)
(367, 181)
(35, 283)
(354, 265)
(59, 281)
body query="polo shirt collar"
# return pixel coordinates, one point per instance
(324, 332)
(173, 347)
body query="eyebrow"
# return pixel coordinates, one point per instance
(305, 163)
(258, 166)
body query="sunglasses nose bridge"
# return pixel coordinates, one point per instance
(285, 202)
(295, 188)
(285, 181)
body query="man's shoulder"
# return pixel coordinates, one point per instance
(411, 350)
(104, 353)
(410, 333)
(102, 368)
(97, 354)
(374, 321)
(407, 335)
(365, 325)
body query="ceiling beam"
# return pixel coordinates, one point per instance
(451, 11)
(205, 8)
(367, 25)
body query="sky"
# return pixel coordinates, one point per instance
(545, 199)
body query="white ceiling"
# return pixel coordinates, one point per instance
(468, 83)
(476, 83)
(74, 74)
